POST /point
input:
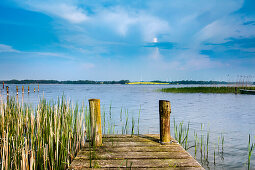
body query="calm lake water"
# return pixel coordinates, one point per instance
(230, 115)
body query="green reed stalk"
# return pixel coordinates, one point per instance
(201, 144)
(207, 145)
(180, 132)
(104, 118)
(214, 162)
(133, 126)
(186, 137)
(138, 121)
(218, 144)
(196, 140)
(250, 149)
(110, 111)
(126, 124)
(222, 142)
(121, 113)
(175, 130)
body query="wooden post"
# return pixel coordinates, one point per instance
(95, 122)
(3, 84)
(34, 89)
(7, 90)
(17, 90)
(28, 89)
(38, 87)
(22, 89)
(164, 114)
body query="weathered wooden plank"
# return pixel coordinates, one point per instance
(168, 148)
(148, 136)
(133, 155)
(119, 136)
(130, 144)
(169, 168)
(135, 138)
(141, 152)
(135, 163)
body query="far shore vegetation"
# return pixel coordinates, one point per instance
(222, 89)
(145, 82)
(114, 82)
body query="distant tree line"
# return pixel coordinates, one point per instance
(62, 82)
(107, 82)
(192, 82)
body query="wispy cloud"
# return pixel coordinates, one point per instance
(34, 54)
(6, 48)
(221, 30)
(124, 20)
(63, 9)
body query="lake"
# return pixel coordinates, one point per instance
(228, 115)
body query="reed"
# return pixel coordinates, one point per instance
(196, 143)
(138, 121)
(47, 137)
(214, 162)
(223, 89)
(121, 113)
(133, 126)
(222, 143)
(110, 110)
(126, 123)
(250, 149)
(181, 134)
(207, 144)
(201, 142)
(104, 119)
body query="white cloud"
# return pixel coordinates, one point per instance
(121, 20)
(7, 48)
(221, 30)
(65, 10)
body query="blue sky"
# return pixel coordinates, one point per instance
(134, 39)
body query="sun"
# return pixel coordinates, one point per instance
(155, 40)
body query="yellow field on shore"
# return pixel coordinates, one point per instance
(145, 83)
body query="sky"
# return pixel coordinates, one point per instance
(132, 40)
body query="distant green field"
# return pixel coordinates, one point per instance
(205, 89)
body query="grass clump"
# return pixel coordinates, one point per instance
(223, 89)
(47, 137)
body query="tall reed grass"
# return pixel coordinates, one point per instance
(47, 137)
(202, 141)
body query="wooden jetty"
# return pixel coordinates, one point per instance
(158, 151)
(135, 152)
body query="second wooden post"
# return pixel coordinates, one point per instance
(95, 122)
(164, 117)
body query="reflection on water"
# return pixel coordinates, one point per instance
(229, 114)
